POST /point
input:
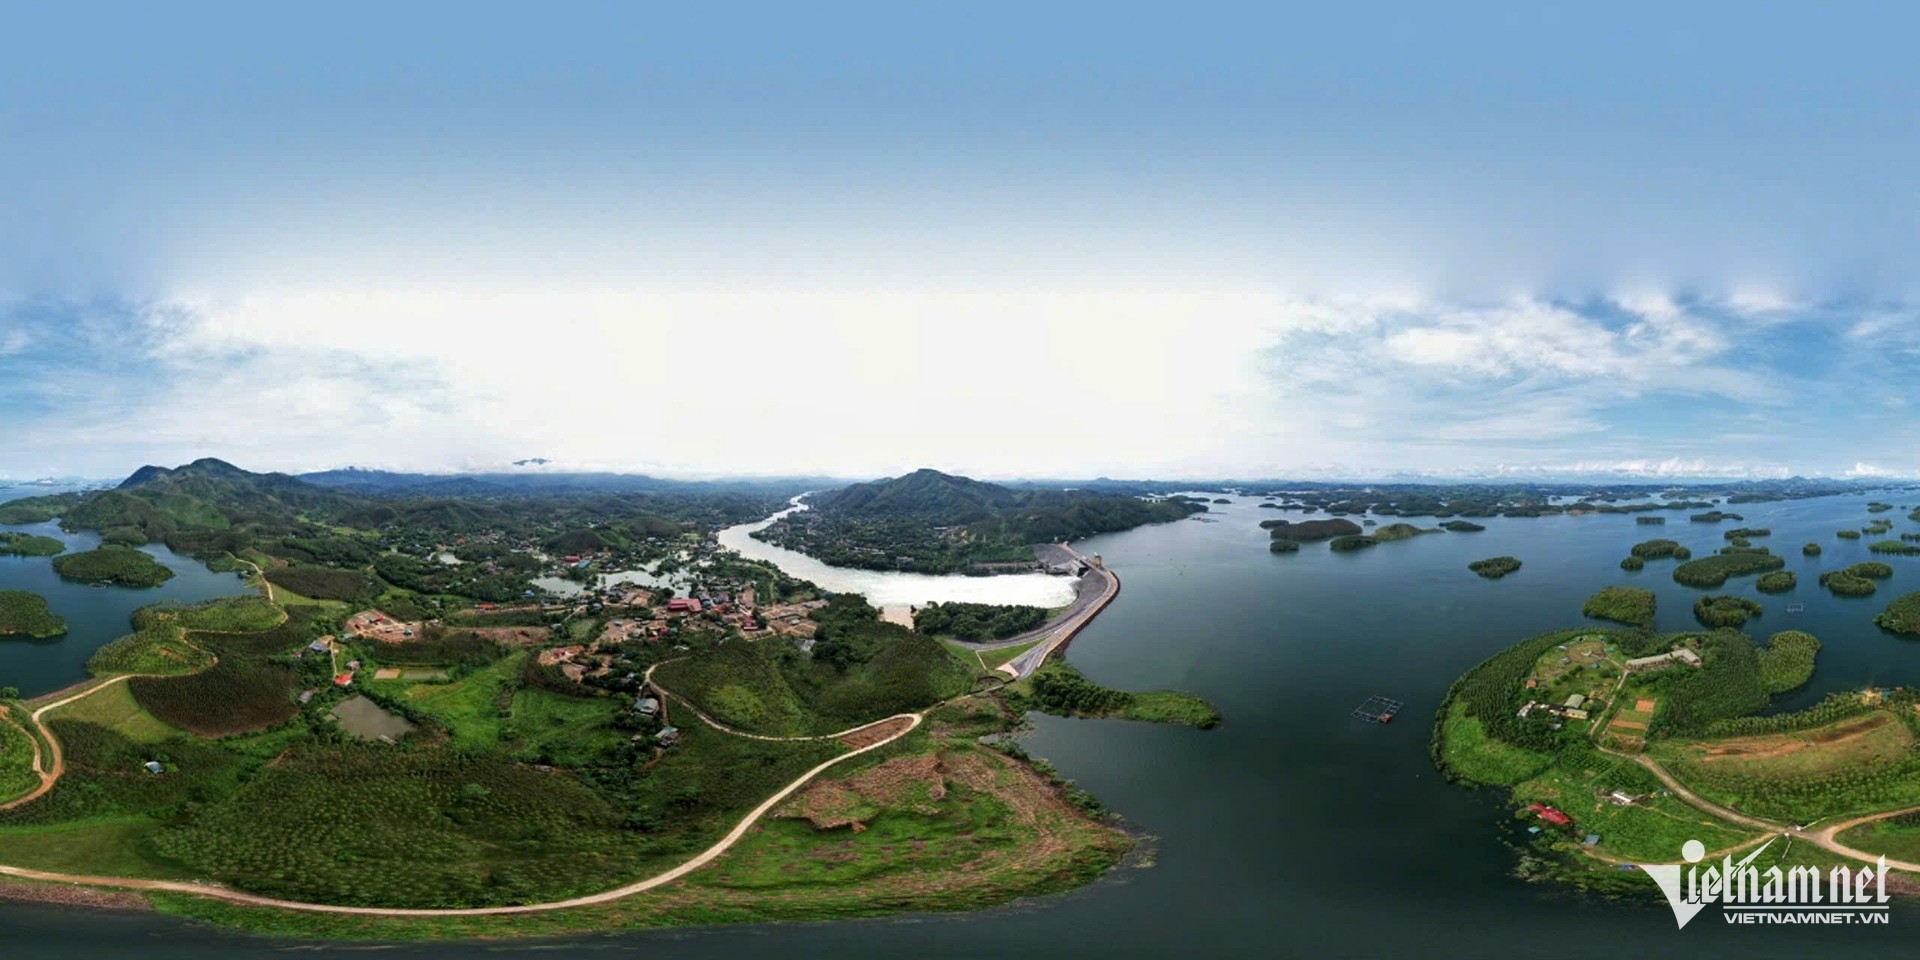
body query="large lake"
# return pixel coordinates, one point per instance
(1292, 830)
(95, 615)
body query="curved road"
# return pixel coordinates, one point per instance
(1053, 636)
(48, 779)
(1097, 588)
(1826, 838)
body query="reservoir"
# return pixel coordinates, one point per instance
(96, 616)
(1293, 830)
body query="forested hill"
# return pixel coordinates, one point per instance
(935, 522)
(210, 508)
(927, 495)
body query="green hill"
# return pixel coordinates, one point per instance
(934, 522)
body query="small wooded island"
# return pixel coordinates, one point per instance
(14, 543)
(25, 614)
(124, 566)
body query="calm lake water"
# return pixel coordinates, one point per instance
(1292, 830)
(95, 616)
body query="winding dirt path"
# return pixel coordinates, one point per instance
(51, 776)
(912, 721)
(701, 859)
(1826, 838)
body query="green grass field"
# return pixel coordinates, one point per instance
(1473, 755)
(16, 760)
(114, 708)
(470, 708)
(1858, 764)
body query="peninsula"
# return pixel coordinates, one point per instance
(504, 757)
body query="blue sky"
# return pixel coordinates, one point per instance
(854, 239)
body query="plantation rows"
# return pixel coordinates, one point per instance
(1807, 798)
(251, 687)
(369, 824)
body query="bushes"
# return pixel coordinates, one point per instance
(1714, 516)
(1895, 547)
(1713, 571)
(1724, 611)
(1629, 605)
(1491, 694)
(1787, 662)
(1902, 614)
(1493, 568)
(110, 564)
(977, 621)
(1847, 534)
(406, 827)
(1462, 526)
(1284, 546)
(1745, 533)
(1342, 544)
(322, 583)
(249, 688)
(1779, 581)
(1632, 563)
(1810, 550)
(1728, 685)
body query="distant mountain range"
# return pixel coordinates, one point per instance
(385, 482)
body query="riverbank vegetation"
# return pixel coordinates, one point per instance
(25, 614)
(977, 621)
(1493, 568)
(119, 565)
(1057, 688)
(1633, 606)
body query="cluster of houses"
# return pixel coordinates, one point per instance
(1574, 709)
(1658, 661)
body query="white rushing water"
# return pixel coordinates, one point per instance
(889, 588)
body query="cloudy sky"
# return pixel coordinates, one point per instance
(855, 240)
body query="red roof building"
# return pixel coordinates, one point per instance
(1549, 814)
(343, 679)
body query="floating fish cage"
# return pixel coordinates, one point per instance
(1377, 709)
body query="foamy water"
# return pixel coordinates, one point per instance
(884, 587)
